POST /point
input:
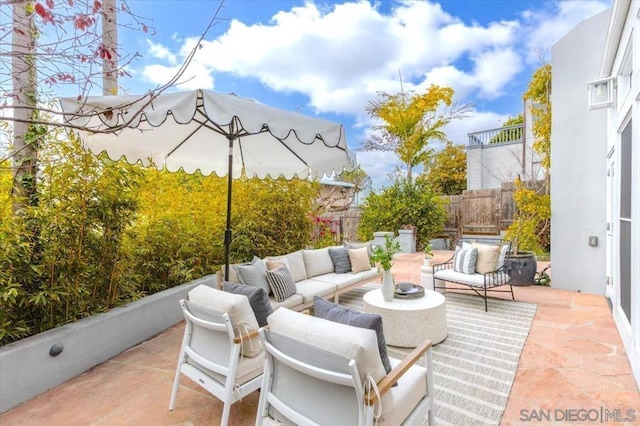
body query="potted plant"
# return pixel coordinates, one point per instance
(382, 256)
(428, 253)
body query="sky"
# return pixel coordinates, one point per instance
(330, 58)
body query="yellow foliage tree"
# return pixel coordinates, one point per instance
(446, 172)
(410, 121)
(531, 225)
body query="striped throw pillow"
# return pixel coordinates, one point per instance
(281, 283)
(465, 260)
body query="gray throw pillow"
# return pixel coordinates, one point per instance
(340, 259)
(281, 283)
(254, 273)
(258, 299)
(340, 314)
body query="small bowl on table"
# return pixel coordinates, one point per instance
(405, 287)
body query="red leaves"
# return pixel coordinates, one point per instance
(43, 13)
(145, 29)
(49, 4)
(61, 77)
(70, 3)
(82, 21)
(103, 53)
(96, 6)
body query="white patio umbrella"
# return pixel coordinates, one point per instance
(210, 132)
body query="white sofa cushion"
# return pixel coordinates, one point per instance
(345, 340)
(310, 287)
(295, 263)
(317, 262)
(239, 310)
(338, 280)
(368, 274)
(290, 302)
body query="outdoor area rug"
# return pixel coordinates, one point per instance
(475, 365)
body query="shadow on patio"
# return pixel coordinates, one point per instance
(573, 359)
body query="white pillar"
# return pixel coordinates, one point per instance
(379, 238)
(407, 240)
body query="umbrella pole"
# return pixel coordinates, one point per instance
(227, 232)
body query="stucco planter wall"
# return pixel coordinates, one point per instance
(28, 369)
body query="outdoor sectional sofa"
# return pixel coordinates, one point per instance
(325, 272)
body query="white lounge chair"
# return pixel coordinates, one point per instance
(210, 356)
(306, 384)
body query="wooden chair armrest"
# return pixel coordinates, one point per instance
(244, 337)
(394, 375)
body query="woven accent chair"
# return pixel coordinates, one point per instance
(210, 356)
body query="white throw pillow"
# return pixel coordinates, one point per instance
(240, 313)
(317, 262)
(359, 259)
(350, 342)
(487, 257)
(465, 260)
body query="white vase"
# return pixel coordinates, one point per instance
(387, 286)
(427, 262)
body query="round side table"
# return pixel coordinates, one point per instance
(409, 322)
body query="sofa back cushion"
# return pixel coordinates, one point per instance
(239, 309)
(350, 342)
(317, 262)
(295, 262)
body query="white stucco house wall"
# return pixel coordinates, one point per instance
(491, 164)
(595, 171)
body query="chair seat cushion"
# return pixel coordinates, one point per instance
(337, 280)
(475, 280)
(350, 342)
(398, 403)
(239, 309)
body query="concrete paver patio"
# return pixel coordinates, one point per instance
(573, 359)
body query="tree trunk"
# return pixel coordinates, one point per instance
(110, 42)
(23, 76)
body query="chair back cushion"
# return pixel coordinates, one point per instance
(355, 343)
(239, 310)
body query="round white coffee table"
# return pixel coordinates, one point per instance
(409, 322)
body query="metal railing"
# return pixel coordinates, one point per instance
(501, 134)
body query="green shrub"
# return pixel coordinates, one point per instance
(401, 204)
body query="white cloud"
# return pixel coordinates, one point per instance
(378, 165)
(342, 55)
(156, 50)
(545, 26)
(196, 76)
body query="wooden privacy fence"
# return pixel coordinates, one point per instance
(475, 212)
(481, 211)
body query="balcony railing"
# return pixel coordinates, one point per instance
(501, 134)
